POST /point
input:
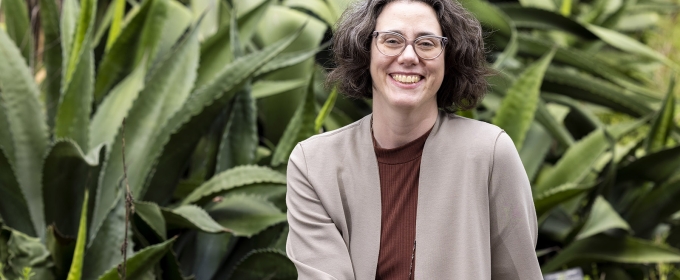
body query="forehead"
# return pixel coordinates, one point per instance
(411, 18)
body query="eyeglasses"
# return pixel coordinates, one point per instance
(393, 44)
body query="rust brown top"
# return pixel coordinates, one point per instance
(399, 170)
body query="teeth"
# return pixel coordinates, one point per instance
(408, 79)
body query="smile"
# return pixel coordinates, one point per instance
(407, 79)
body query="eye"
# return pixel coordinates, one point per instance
(391, 40)
(427, 43)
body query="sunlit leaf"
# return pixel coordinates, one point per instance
(580, 157)
(663, 122)
(613, 249)
(76, 271)
(602, 217)
(519, 105)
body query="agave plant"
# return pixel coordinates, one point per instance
(146, 97)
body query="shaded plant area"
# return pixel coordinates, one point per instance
(215, 94)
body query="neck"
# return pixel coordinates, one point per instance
(394, 128)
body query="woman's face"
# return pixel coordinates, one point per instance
(406, 81)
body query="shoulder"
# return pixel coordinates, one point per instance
(457, 131)
(333, 144)
(469, 127)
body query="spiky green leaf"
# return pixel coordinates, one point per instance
(628, 44)
(519, 105)
(588, 88)
(103, 251)
(655, 207)
(547, 200)
(73, 112)
(657, 166)
(320, 8)
(67, 174)
(117, 63)
(167, 88)
(300, 127)
(245, 215)
(326, 109)
(211, 250)
(581, 60)
(663, 122)
(579, 158)
(151, 214)
(178, 137)
(602, 217)
(544, 19)
(18, 27)
(28, 130)
(265, 264)
(52, 56)
(536, 147)
(76, 271)
(289, 59)
(233, 178)
(264, 88)
(216, 51)
(191, 216)
(116, 22)
(493, 18)
(240, 139)
(142, 262)
(61, 250)
(13, 207)
(69, 18)
(110, 114)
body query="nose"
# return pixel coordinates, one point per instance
(408, 56)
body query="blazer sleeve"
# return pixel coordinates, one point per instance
(513, 222)
(314, 243)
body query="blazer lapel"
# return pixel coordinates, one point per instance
(428, 190)
(363, 192)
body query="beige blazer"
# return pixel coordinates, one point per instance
(475, 217)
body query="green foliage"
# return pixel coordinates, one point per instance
(519, 105)
(18, 26)
(76, 271)
(214, 100)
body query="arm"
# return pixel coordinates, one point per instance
(512, 216)
(314, 243)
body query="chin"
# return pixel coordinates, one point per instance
(405, 103)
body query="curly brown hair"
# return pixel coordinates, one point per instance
(464, 83)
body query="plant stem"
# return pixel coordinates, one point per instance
(122, 268)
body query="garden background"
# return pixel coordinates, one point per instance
(179, 115)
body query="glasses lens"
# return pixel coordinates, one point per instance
(428, 47)
(390, 44)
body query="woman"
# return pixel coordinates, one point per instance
(410, 191)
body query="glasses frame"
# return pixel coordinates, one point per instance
(444, 41)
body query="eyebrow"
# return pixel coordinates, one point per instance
(417, 35)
